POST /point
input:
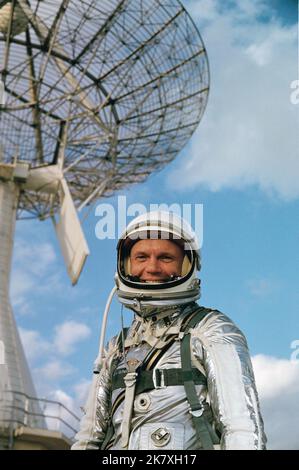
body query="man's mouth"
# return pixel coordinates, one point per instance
(154, 280)
(159, 280)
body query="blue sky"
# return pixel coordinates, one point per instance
(242, 164)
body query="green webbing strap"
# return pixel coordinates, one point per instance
(187, 376)
(164, 378)
(195, 319)
(202, 426)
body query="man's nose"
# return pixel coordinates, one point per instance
(153, 265)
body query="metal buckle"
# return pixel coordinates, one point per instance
(130, 379)
(162, 378)
(197, 413)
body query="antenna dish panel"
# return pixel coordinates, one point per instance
(70, 235)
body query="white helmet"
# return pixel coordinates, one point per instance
(142, 296)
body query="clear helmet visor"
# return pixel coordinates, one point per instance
(173, 260)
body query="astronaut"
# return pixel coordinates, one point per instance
(180, 377)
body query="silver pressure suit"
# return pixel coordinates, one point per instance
(218, 349)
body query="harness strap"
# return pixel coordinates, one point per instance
(204, 430)
(130, 382)
(159, 378)
(148, 364)
(149, 379)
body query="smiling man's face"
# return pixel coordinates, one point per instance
(156, 260)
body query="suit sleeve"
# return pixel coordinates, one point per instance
(95, 421)
(222, 350)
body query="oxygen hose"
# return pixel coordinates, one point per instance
(99, 360)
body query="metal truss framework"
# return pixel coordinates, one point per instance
(127, 80)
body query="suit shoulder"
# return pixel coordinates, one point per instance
(219, 327)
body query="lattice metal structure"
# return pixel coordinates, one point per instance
(121, 85)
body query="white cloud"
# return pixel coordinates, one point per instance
(81, 390)
(33, 273)
(74, 404)
(263, 52)
(22, 284)
(36, 273)
(278, 385)
(35, 346)
(64, 398)
(249, 134)
(67, 422)
(68, 334)
(48, 368)
(60, 415)
(210, 11)
(203, 10)
(54, 370)
(36, 258)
